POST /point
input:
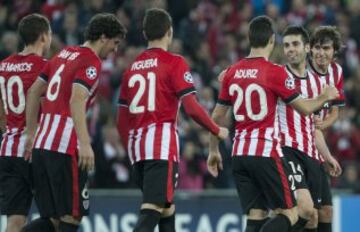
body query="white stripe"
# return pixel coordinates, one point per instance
(234, 139)
(240, 150)
(331, 76)
(149, 142)
(165, 141)
(298, 133)
(177, 146)
(43, 131)
(308, 129)
(21, 145)
(10, 142)
(50, 138)
(284, 127)
(65, 137)
(129, 148)
(137, 144)
(253, 142)
(268, 142)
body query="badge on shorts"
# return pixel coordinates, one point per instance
(91, 72)
(188, 77)
(290, 83)
(86, 204)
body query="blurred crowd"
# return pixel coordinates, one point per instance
(210, 34)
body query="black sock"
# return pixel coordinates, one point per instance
(255, 225)
(167, 224)
(280, 223)
(299, 225)
(324, 227)
(147, 221)
(39, 225)
(67, 227)
(311, 230)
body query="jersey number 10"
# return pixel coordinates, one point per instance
(7, 94)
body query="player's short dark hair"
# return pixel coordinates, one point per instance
(324, 34)
(260, 31)
(297, 30)
(31, 27)
(104, 24)
(156, 23)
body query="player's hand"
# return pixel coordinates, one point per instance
(333, 167)
(221, 75)
(29, 142)
(330, 92)
(223, 133)
(214, 163)
(86, 157)
(318, 122)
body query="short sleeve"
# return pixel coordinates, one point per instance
(45, 72)
(182, 80)
(87, 76)
(283, 85)
(123, 93)
(340, 87)
(224, 97)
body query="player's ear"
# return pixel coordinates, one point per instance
(103, 38)
(307, 48)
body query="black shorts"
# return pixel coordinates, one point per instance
(60, 185)
(157, 179)
(305, 173)
(262, 183)
(15, 186)
(326, 196)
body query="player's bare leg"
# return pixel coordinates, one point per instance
(256, 219)
(325, 218)
(69, 223)
(167, 220)
(15, 223)
(306, 210)
(149, 217)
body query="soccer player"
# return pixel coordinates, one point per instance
(17, 73)
(298, 131)
(252, 86)
(151, 92)
(325, 44)
(62, 153)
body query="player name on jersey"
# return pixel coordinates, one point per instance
(246, 73)
(16, 67)
(67, 55)
(144, 64)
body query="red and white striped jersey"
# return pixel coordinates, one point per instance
(333, 77)
(17, 74)
(252, 86)
(151, 89)
(72, 65)
(296, 130)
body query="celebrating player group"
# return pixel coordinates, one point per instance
(280, 160)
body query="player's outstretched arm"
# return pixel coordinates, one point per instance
(214, 162)
(35, 92)
(78, 100)
(199, 115)
(334, 167)
(308, 106)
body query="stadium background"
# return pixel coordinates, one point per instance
(210, 34)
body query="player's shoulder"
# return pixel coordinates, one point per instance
(336, 66)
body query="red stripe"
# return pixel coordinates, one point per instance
(259, 151)
(287, 193)
(48, 129)
(290, 123)
(157, 141)
(142, 143)
(4, 144)
(15, 145)
(172, 146)
(41, 126)
(59, 131)
(72, 147)
(247, 141)
(236, 144)
(75, 187)
(132, 147)
(170, 186)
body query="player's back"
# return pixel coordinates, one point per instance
(252, 86)
(152, 87)
(17, 74)
(72, 65)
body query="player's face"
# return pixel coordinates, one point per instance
(294, 49)
(323, 54)
(109, 46)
